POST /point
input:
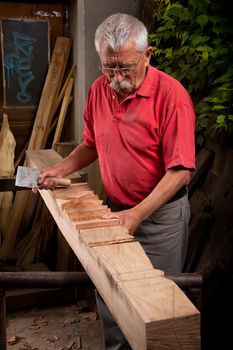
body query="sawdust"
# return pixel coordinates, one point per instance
(53, 328)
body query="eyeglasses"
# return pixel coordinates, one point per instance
(124, 71)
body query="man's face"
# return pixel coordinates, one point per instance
(125, 68)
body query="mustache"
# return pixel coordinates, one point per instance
(122, 85)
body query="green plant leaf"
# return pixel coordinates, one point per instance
(218, 107)
(221, 119)
(193, 42)
(204, 48)
(205, 55)
(202, 19)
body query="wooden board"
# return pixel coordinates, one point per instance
(7, 154)
(50, 93)
(62, 114)
(23, 202)
(151, 310)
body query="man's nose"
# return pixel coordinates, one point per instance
(118, 76)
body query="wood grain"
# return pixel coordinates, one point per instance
(50, 93)
(63, 111)
(151, 310)
(7, 154)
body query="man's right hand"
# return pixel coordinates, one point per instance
(44, 179)
(80, 157)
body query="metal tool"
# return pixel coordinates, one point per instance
(28, 177)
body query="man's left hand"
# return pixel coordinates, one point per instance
(128, 218)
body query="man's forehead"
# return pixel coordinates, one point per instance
(127, 53)
(126, 49)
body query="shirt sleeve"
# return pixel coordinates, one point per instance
(178, 141)
(88, 133)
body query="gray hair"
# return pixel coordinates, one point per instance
(120, 29)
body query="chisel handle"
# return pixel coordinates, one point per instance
(60, 181)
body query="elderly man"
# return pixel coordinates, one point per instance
(139, 123)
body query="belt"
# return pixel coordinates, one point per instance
(179, 194)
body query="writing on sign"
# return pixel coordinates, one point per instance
(25, 48)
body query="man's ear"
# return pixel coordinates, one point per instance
(148, 54)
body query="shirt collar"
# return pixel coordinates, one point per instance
(148, 84)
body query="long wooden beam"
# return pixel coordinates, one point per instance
(151, 310)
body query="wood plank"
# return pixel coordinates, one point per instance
(27, 247)
(7, 148)
(88, 214)
(50, 93)
(84, 206)
(151, 310)
(82, 202)
(81, 225)
(63, 111)
(23, 203)
(7, 154)
(104, 236)
(74, 191)
(62, 92)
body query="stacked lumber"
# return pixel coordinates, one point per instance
(24, 205)
(7, 155)
(151, 310)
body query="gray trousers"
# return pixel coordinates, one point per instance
(164, 237)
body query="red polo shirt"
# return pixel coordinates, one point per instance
(140, 138)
